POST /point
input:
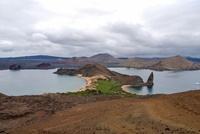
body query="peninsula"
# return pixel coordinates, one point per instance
(97, 71)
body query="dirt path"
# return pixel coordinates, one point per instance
(177, 113)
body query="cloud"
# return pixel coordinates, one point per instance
(73, 37)
(38, 37)
(6, 46)
(65, 28)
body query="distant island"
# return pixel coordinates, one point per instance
(172, 63)
(49, 62)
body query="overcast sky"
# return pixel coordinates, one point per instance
(144, 28)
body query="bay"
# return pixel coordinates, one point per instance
(34, 82)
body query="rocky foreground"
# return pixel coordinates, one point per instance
(100, 114)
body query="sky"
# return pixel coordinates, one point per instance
(122, 28)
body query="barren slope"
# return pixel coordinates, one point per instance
(177, 113)
(138, 63)
(104, 58)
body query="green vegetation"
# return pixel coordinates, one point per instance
(109, 87)
(104, 87)
(86, 92)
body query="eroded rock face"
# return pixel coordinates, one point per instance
(129, 80)
(149, 82)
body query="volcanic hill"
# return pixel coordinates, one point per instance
(104, 59)
(138, 63)
(175, 63)
(172, 63)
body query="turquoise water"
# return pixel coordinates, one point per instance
(166, 82)
(32, 82)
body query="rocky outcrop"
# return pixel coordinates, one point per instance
(62, 71)
(149, 82)
(43, 65)
(90, 70)
(15, 67)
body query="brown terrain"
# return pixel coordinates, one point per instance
(138, 63)
(171, 63)
(104, 58)
(59, 113)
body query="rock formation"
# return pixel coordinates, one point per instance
(149, 82)
(15, 67)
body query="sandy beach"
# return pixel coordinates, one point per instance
(90, 81)
(124, 87)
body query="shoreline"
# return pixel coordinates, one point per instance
(91, 85)
(90, 81)
(124, 88)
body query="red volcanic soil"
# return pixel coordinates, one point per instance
(59, 114)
